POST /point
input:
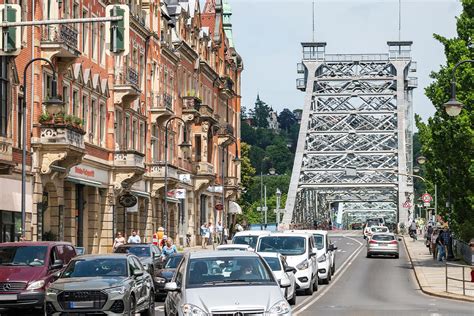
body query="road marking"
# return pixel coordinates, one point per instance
(310, 300)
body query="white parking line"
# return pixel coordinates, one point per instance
(310, 300)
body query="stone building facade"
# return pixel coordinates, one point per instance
(109, 140)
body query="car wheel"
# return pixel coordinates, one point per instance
(310, 289)
(369, 255)
(315, 284)
(132, 306)
(333, 268)
(292, 300)
(397, 256)
(150, 311)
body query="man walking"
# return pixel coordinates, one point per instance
(134, 239)
(219, 229)
(441, 242)
(204, 235)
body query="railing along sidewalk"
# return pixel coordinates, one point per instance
(463, 280)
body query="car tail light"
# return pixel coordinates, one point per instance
(394, 242)
(372, 242)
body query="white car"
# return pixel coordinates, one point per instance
(299, 250)
(370, 230)
(234, 247)
(282, 271)
(249, 237)
(326, 255)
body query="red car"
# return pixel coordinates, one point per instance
(26, 268)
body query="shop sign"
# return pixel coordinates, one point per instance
(128, 200)
(180, 194)
(89, 173)
(185, 178)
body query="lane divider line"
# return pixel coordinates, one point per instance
(311, 300)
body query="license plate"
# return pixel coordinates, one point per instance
(86, 304)
(8, 297)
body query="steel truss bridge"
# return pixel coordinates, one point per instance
(355, 136)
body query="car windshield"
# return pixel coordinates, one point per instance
(319, 240)
(286, 245)
(383, 237)
(103, 267)
(273, 262)
(172, 262)
(203, 272)
(245, 240)
(139, 251)
(23, 255)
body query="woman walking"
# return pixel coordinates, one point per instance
(118, 241)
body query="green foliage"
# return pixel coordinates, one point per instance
(45, 117)
(448, 142)
(261, 114)
(286, 119)
(247, 170)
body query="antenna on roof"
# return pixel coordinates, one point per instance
(399, 20)
(313, 21)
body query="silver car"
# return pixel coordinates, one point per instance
(202, 286)
(383, 244)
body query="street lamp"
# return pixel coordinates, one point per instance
(453, 107)
(185, 147)
(52, 101)
(416, 169)
(421, 160)
(278, 197)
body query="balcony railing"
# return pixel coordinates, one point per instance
(301, 84)
(157, 170)
(227, 129)
(132, 76)
(204, 169)
(62, 135)
(129, 158)
(168, 101)
(60, 33)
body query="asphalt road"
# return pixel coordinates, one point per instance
(346, 247)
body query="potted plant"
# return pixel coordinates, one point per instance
(68, 119)
(59, 118)
(45, 117)
(77, 121)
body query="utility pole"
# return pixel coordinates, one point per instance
(265, 206)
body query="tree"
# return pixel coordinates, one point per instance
(247, 171)
(448, 142)
(261, 113)
(286, 119)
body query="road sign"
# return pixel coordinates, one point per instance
(426, 198)
(262, 209)
(407, 204)
(219, 207)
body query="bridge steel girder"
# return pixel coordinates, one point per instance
(356, 130)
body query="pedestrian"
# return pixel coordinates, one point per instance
(118, 241)
(212, 232)
(168, 249)
(219, 229)
(134, 239)
(471, 244)
(204, 235)
(163, 241)
(429, 232)
(434, 240)
(226, 234)
(441, 243)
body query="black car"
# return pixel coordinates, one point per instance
(149, 255)
(165, 274)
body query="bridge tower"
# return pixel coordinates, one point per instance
(355, 137)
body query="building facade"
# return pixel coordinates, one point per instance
(107, 144)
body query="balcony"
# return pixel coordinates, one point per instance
(301, 84)
(204, 169)
(231, 183)
(226, 135)
(129, 167)
(60, 145)
(300, 68)
(226, 90)
(207, 115)
(161, 108)
(60, 41)
(156, 170)
(191, 105)
(412, 82)
(129, 90)
(6, 157)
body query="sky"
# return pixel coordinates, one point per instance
(268, 33)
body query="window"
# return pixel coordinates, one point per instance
(95, 30)
(48, 79)
(85, 34)
(66, 98)
(75, 102)
(102, 124)
(135, 135)
(154, 143)
(142, 72)
(66, 10)
(127, 131)
(171, 148)
(118, 129)
(142, 137)
(102, 43)
(4, 86)
(85, 110)
(93, 122)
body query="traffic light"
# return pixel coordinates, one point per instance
(10, 42)
(117, 32)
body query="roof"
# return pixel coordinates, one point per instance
(310, 231)
(269, 254)
(252, 233)
(291, 234)
(221, 254)
(105, 256)
(36, 243)
(135, 245)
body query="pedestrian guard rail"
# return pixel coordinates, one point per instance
(457, 274)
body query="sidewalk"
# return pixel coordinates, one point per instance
(431, 274)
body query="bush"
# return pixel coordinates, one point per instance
(466, 230)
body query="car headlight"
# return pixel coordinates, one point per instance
(282, 307)
(192, 310)
(52, 290)
(116, 290)
(303, 265)
(160, 280)
(35, 285)
(146, 266)
(322, 258)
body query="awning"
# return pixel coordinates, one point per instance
(234, 208)
(86, 182)
(141, 194)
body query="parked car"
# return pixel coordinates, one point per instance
(107, 284)
(148, 254)
(235, 247)
(200, 287)
(383, 244)
(27, 268)
(282, 270)
(326, 255)
(298, 248)
(249, 237)
(166, 273)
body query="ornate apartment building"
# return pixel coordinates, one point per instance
(109, 140)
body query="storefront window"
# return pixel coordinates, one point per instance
(10, 226)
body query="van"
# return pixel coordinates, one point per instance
(249, 237)
(27, 268)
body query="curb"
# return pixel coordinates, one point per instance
(459, 298)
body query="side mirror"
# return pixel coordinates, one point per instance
(284, 283)
(312, 254)
(56, 275)
(171, 287)
(57, 264)
(137, 273)
(290, 269)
